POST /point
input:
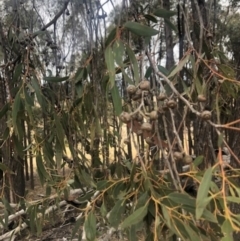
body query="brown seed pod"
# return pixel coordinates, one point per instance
(201, 98)
(206, 115)
(139, 117)
(187, 159)
(126, 141)
(153, 115)
(178, 156)
(171, 104)
(144, 85)
(137, 95)
(161, 97)
(146, 126)
(149, 141)
(125, 117)
(165, 107)
(131, 89)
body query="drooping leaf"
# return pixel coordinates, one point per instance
(116, 213)
(132, 233)
(142, 200)
(59, 153)
(4, 110)
(179, 66)
(182, 198)
(220, 140)
(90, 226)
(198, 161)
(17, 72)
(109, 58)
(227, 231)
(37, 90)
(170, 24)
(43, 175)
(151, 17)
(56, 79)
(111, 37)
(134, 63)
(163, 13)
(135, 217)
(140, 29)
(59, 131)
(15, 110)
(117, 100)
(88, 180)
(103, 210)
(163, 70)
(202, 194)
(119, 49)
(79, 76)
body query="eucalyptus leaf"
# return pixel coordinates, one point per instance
(140, 29)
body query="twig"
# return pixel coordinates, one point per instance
(54, 20)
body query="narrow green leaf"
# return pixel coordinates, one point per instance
(163, 70)
(150, 17)
(170, 24)
(4, 110)
(135, 217)
(142, 200)
(88, 179)
(227, 231)
(59, 131)
(179, 66)
(55, 79)
(140, 29)
(116, 213)
(134, 63)
(111, 37)
(109, 58)
(117, 100)
(126, 77)
(29, 99)
(77, 226)
(233, 199)
(79, 75)
(37, 90)
(119, 49)
(17, 72)
(15, 110)
(202, 195)
(90, 226)
(220, 140)
(101, 185)
(182, 198)
(59, 154)
(43, 175)
(132, 233)
(163, 13)
(103, 209)
(198, 161)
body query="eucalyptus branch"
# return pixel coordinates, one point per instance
(201, 27)
(166, 159)
(173, 167)
(165, 78)
(54, 20)
(175, 131)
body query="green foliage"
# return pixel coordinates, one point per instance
(76, 117)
